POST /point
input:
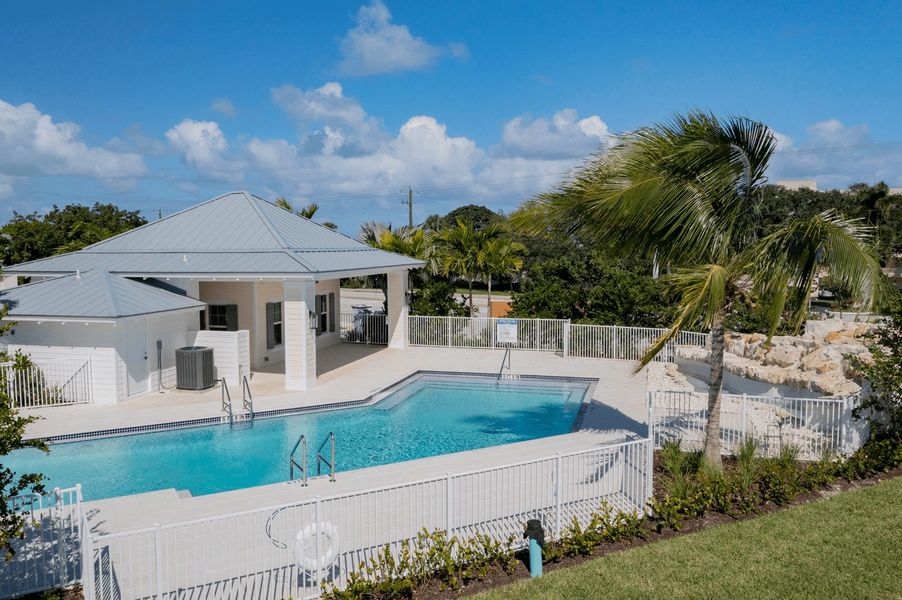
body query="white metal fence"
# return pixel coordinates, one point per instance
(816, 426)
(47, 383)
(49, 554)
(290, 550)
(556, 335)
(364, 328)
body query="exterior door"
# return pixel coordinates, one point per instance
(137, 362)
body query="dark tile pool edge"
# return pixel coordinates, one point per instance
(278, 412)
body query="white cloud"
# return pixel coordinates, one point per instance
(565, 135)
(31, 143)
(836, 155)
(224, 107)
(203, 146)
(376, 45)
(330, 121)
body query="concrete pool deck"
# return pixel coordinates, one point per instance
(616, 412)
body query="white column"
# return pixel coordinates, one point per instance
(300, 339)
(8, 282)
(397, 309)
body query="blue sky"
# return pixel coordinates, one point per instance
(161, 105)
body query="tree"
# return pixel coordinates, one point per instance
(883, 405)
(34, 236)
(307, 212)
(437, 297)
(12, 431)
(477, 216)
(503, 258)
(593, 289)
(690, 191)
(462, 250)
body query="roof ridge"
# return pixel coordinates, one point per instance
(272, 230)
(108, 291)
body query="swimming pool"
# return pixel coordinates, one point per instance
(427, 415)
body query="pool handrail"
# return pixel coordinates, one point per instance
(505, 359)
(247, 400)
(292, 463)
(330, 439)
(226, 400)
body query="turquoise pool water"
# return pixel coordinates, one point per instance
(431, 414)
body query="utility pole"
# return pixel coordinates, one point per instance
(409, 203)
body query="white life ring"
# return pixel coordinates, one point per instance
(305, 547)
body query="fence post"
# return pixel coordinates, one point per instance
(616, 353)
(558, 489)
(567, 338)
(538, 321)
(650, 451)
(87, 560)
(449, 330)
(492, 327)
(158, 556)
(316, 529)
(448, 504)
(745, 417)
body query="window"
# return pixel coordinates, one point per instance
(273, 324)
(222, 317)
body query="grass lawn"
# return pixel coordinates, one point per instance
(849, 546)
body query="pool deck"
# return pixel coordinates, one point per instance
(616, 412)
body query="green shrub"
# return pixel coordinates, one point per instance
(430, 556)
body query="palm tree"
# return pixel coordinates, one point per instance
(410, 241)
(307, 212)
(462, 250)
(689, 190)
(503, 258)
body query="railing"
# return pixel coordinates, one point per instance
(47, 383)
(330, 462)
(556, 335)
(505, 362)
(289, 550)
(364, 328)
(626, 343)
(292, 461)
(49, 553)
(815, 426)
(481, 332)
(226, 400)
(247, 399)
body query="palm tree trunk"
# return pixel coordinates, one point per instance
(715, 359)
(489, 303)
(470, 284)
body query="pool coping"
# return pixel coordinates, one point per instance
(371, 400)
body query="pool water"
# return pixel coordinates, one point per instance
(431, 414)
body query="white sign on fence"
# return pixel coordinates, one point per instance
(506, 332)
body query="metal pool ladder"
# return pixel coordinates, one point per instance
(293, 463)
(320, 459)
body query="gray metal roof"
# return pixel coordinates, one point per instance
(237, 233)
(91, 295)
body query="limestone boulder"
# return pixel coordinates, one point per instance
(783, 356)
